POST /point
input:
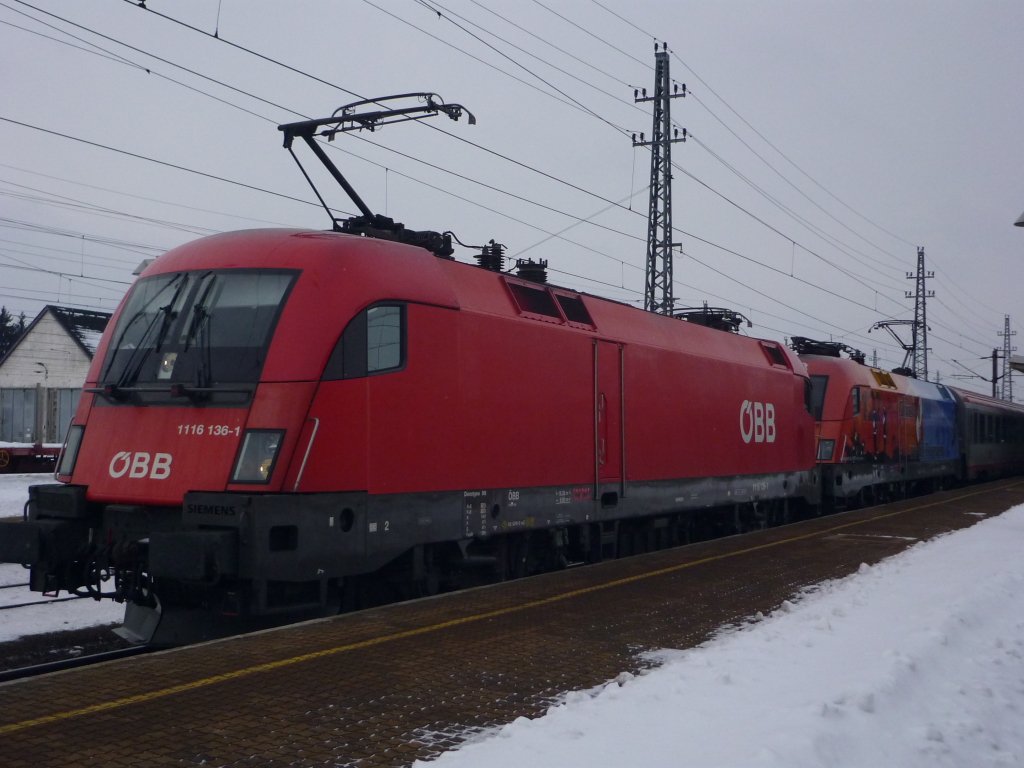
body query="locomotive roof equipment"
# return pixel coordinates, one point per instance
(346, 119)
(804, 346)
(713, 317)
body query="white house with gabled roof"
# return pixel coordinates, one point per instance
(41, 376)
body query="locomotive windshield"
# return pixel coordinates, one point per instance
(196, 329)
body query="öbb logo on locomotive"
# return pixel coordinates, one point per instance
(757, 422)
(140, 464)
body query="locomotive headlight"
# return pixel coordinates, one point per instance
(825, 449)
(69, 454)
(256, 460)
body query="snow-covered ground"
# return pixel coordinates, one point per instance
(41, 618)
(14, 491)
(916, 661)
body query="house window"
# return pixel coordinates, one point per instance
(18, 415)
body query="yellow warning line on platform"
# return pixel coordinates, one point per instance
(302, 658)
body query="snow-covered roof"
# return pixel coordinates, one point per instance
(83, 325)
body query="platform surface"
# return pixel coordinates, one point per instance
(386, 686)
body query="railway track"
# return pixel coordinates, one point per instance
(45, 642)
(36, 653)
(5, 596)
(73, 662)
(44, 601)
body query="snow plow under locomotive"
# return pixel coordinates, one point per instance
(285, 423)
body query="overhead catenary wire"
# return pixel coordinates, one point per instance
(548, 43)
(135, 196)
(68, 203)
(415, 159)
(458, 138)
(809, 250)
(336, 86)
(760, 135)
(773, 146)
(164, 163)
(432, 4)
(112, 242)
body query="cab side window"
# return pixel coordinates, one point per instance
(373, 342)
(383, 338)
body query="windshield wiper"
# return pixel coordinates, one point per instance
(199, 331)
(139, 313)
(133, 367)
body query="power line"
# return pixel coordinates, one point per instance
(68, 203)
(833, 293)
(125, 245)
(847, 273)
(550, 44)
(461, 139)
(764, 223)
(293, 69)
(154, 160)
(137, 196)
(350, 92)
(496, 36)
(153, 56)
(251, 52)
(416, 159)
(121, 263)
(20, 265)
(591, 34)
(796, 188)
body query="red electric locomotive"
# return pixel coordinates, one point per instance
(282, 421)
(278, 414)
(880, 434)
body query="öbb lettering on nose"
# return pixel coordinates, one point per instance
(140, 464)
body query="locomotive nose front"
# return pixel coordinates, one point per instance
(175, 407)
(180, 379)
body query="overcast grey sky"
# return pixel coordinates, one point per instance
(829, 139)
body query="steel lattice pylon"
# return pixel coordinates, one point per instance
(658, 286)
(920, 325)
(1006, 392)
(917, 350)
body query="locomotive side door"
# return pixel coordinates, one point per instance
(609, 425)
